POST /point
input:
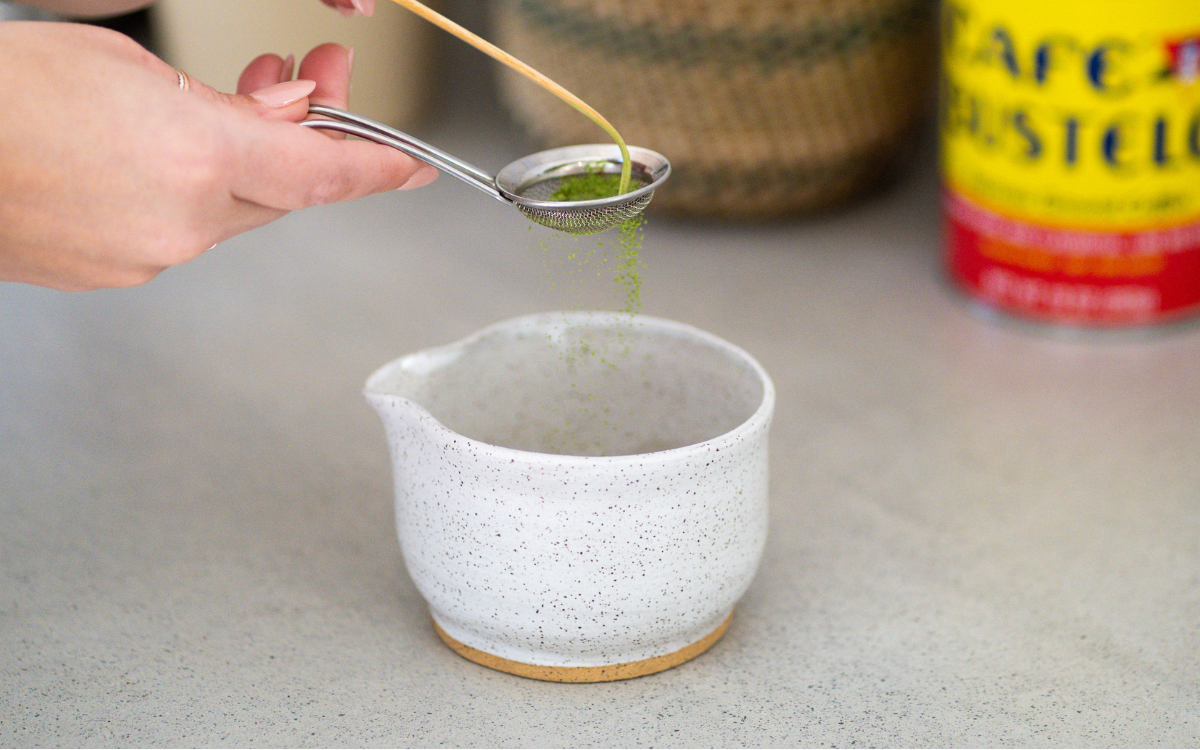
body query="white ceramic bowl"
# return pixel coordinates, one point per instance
(579, 496)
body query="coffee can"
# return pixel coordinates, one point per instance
(1070, 158)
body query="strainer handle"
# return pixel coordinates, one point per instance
(347, 122)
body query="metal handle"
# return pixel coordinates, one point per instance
(347, 122)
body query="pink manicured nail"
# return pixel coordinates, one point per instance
(283, 94)
(289, 66)
(349, 61)
(346, 12)
(366, 7)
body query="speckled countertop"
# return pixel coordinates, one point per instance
(980, 535)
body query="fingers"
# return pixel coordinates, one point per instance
(266, 89)
(244, 216)
(330, 66)
(348, 170)
(264, 71)
(288, 168)
(426, 174)
(350, 7)
(280, 98)
(285, 168)
(267, 80)
(262, 92)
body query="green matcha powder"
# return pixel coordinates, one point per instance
(592, 185)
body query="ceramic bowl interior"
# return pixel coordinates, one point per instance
(584, 384)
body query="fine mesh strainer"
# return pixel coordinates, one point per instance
(528, 183)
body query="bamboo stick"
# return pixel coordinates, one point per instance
(488, 48)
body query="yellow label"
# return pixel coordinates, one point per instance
(1081, 114)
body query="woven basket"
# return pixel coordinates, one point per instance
(764, 107)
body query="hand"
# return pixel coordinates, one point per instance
(350, 7)
(110, 173)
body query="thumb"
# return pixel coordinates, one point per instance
(280, 101)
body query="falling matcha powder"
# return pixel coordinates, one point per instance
(595, 184)
(629, 262)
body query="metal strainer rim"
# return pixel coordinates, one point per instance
(586, 153)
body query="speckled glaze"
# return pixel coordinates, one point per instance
(579, 490)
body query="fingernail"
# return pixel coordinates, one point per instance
(420, 178)
(346, 12)
(366, 7)
(350, 61)
(283, 94)
(289, 66)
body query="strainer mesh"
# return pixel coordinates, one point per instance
(581, 220)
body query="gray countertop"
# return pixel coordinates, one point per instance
(981, 534)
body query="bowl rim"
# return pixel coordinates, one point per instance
(759, 419)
